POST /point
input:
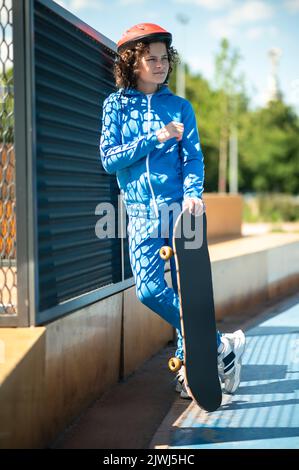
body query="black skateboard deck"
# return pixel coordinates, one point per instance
(197, 311)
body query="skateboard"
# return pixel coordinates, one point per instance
(197, 313)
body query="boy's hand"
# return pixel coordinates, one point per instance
(196, 205)
(173, 129)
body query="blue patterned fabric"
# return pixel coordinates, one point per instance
(152, 175)
(175, 169)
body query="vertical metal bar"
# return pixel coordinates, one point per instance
(20, 160)
(31, 165)
(122, 222)
(23, 39)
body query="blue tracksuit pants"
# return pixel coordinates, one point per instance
(146, 237)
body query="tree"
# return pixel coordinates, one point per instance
(230, 87)
(268, 138)
(269, 145)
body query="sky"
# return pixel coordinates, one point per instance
(251, 26)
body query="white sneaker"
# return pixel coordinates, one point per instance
(180, 385)
(230, 360)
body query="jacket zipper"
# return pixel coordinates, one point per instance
(147, 158)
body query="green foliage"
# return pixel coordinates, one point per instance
(230, 83)
(6, 107)
(269, 150)
(268, 137)
(274, 207)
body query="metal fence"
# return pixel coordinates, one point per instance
(8, 274)
(62, 73)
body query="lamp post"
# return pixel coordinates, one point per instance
(273, 92)
(180, 73)
(233, 160)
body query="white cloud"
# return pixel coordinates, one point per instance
(221, 28)
(259, 31)
(208, 4)
(292, 5)
(249, 12)
(130, 2)
(77, 5)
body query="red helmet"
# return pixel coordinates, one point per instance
(147, 32)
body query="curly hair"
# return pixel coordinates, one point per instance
(128, 60)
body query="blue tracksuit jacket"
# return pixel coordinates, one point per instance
(150, 174)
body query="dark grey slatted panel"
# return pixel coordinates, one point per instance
(73, 74)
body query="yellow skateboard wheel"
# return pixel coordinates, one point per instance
(166, 252)
(174, 364)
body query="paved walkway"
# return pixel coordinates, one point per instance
(264, 414)
(144, 411)
(130, 413)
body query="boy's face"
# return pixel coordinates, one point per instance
(154, 65)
